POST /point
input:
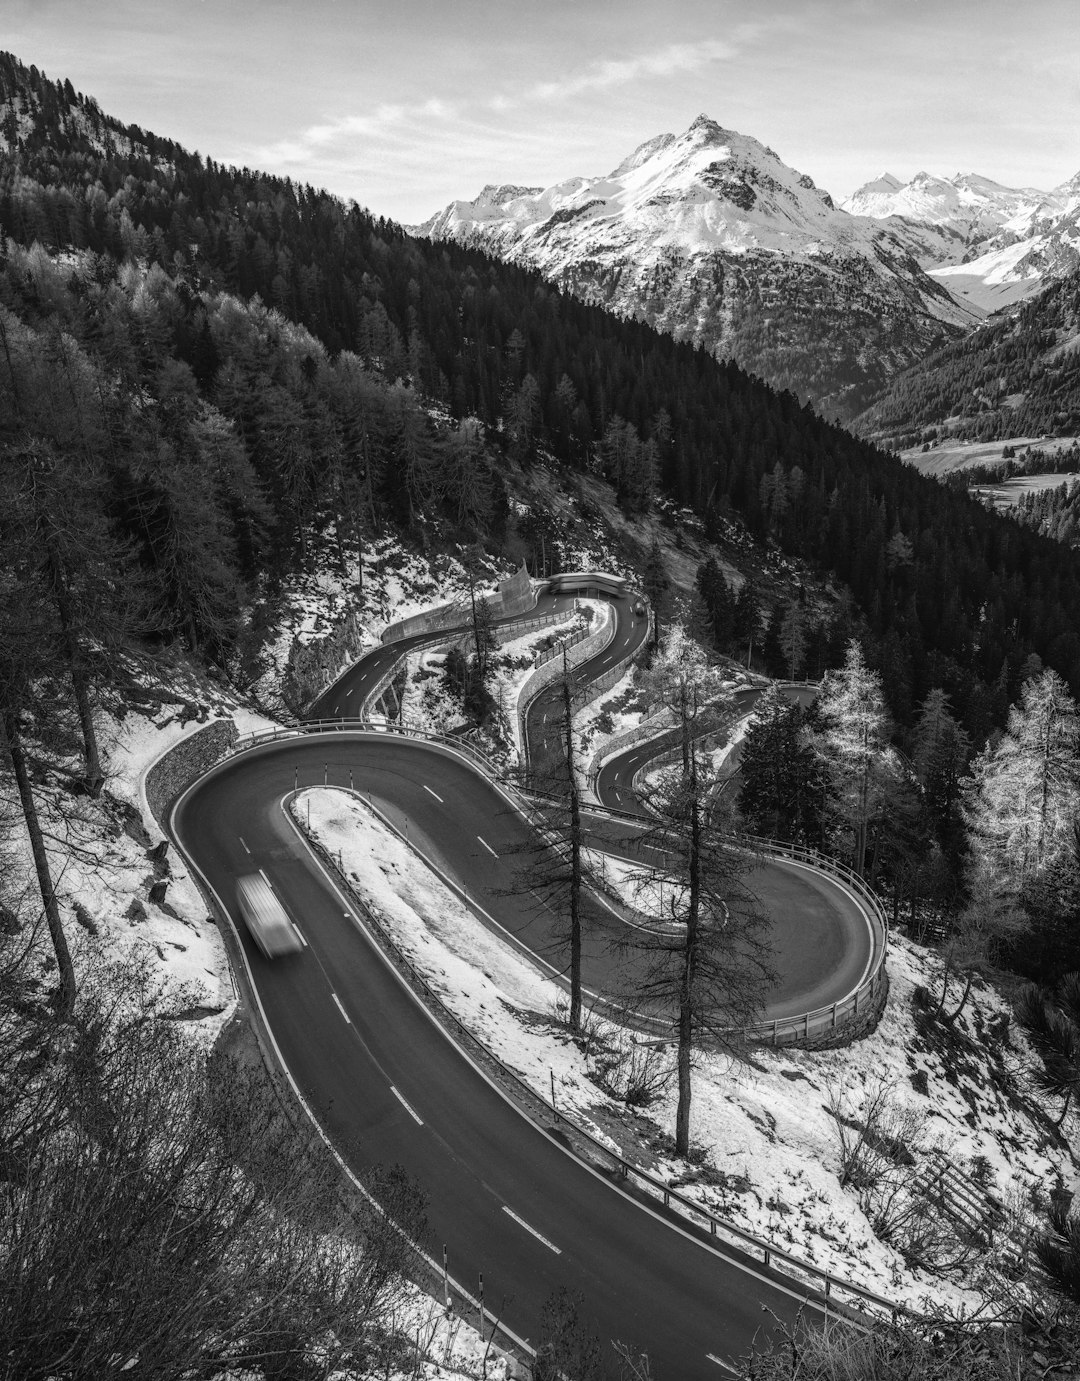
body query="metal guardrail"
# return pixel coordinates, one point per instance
(834, 1289)
(594, 643)
(563, 645)
(865, 996)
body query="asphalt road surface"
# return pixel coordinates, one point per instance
(388, 1086)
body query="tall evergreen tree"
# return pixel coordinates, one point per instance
(783, 786)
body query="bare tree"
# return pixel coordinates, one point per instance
(705, 967)
(552, 867)
(28, 641)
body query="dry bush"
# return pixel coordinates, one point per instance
(879, 1145)
(159, 1216)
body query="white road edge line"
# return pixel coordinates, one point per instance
(434, 793)
(411, 1111)
(487, 846)
(340, 1008)
(529, 1228)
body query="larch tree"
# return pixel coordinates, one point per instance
(1053, 1026)
(854, 743)
(1024, 792)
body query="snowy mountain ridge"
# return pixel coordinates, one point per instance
(989, 244)
(710, 236)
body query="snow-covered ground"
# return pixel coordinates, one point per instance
(99, 856)
(770, 1145)
(397, 583)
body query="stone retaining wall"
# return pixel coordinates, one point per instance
(184, 762)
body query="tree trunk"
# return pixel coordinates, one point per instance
(66, 994)
(59, 579)
(575, 860)
(944, 983)
(686, 991)
(963, 1000)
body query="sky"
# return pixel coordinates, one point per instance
(406, 105)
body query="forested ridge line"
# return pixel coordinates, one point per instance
(488, 360)
(1017, 374)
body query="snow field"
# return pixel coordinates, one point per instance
(770, 1142)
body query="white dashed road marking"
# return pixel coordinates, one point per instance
(241, 838)
(405, 1105)
(529, 1228)
(434, 793)
(340, 1008)
(487, 846)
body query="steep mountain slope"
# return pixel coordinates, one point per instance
(710, 237)
(1016, 375)
(391, 383)
(990, 245)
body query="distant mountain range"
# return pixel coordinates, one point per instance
(710, 236)
(988, 244)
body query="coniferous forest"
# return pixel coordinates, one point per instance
(1017, 375)
(239, 359)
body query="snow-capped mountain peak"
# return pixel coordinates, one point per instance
(700, 231)
(986, 242)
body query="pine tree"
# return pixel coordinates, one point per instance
(1054, 1028)
(718, 601)
(656, 582)
(783, 787)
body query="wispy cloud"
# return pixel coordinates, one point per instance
(395, 121)
(601, 76)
